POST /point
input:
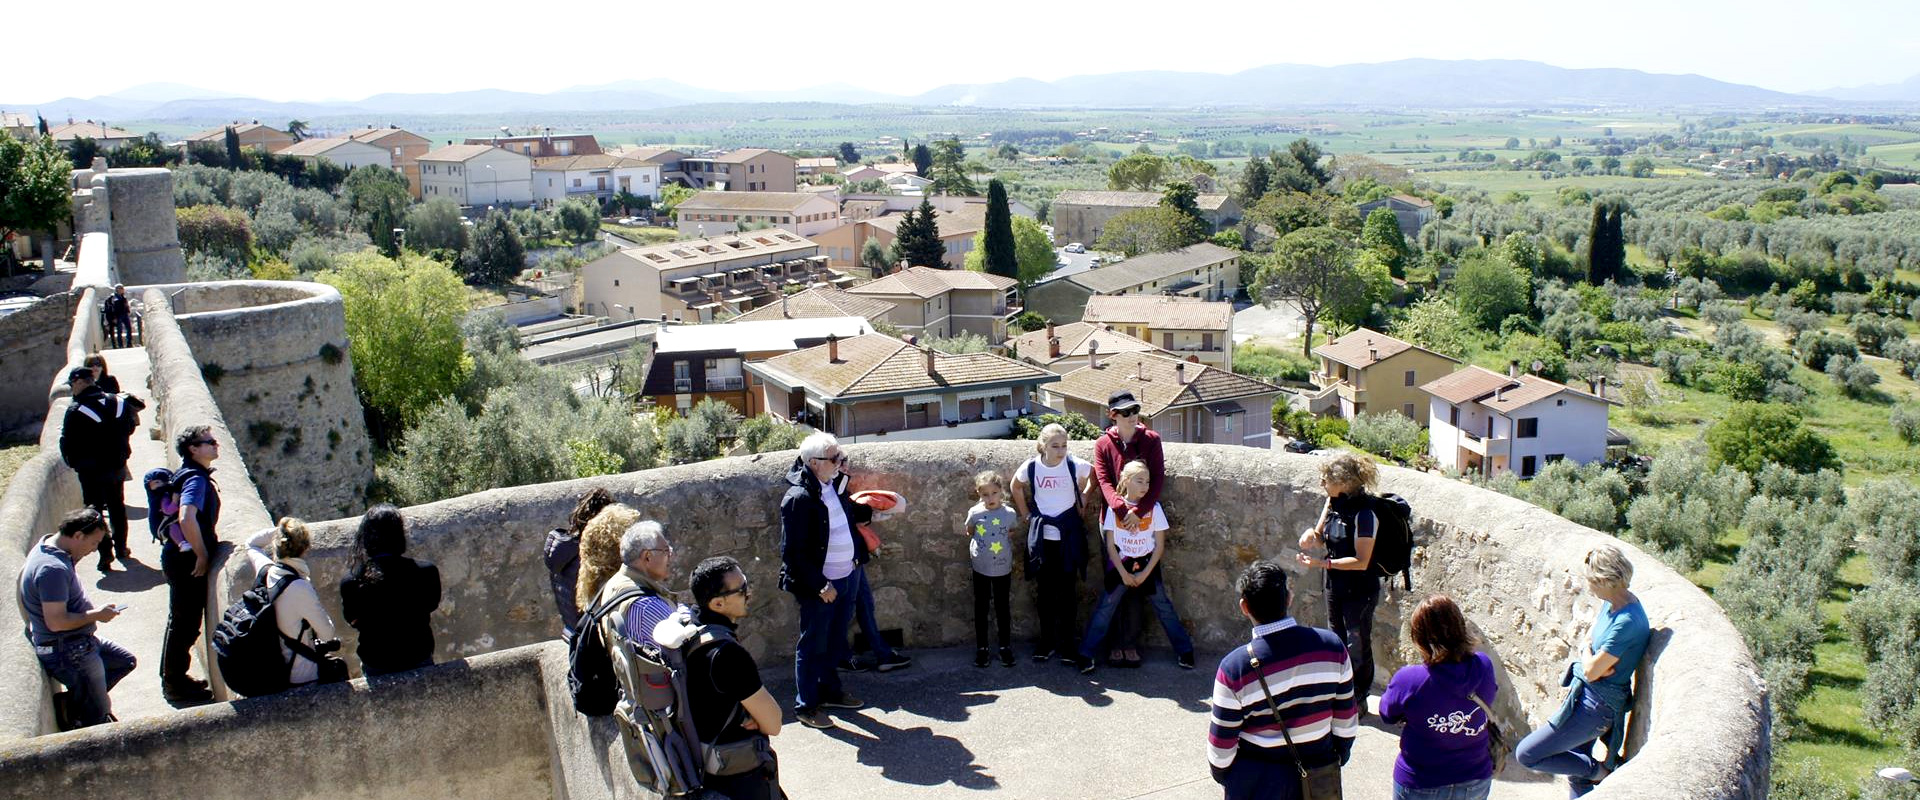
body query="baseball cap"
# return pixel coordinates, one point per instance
(1122, 400)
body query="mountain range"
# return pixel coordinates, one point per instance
(1411, 83)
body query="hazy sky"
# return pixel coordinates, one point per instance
(307, 51)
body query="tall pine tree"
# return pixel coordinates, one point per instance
(919, 238)
(1000, 257)
(1606, 242)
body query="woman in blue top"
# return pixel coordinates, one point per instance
(1601, 679)
(1346, 531)
(1443, 750)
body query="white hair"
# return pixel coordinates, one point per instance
(639, 538)
(817, 444)
(1607, 566)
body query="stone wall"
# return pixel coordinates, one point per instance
(1513, 567)
(146, 236)
(274, 354)
(33, 347)
(42, 490)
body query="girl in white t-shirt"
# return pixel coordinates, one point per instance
(1046, 492)
(1135, 555)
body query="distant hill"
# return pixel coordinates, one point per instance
(1907, 91)
(1412, 83)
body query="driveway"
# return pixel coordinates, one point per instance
(1274, 326)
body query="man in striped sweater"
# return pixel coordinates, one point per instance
(1311, 681)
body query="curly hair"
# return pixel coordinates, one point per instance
(600, 550)
(1351, 470)
(588, 507)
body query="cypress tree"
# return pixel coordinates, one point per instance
(234, 159)
(1606, 242)
(999, 258)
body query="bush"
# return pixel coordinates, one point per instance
(1816, 347)
(765, 434)
(1486, 291)
(1388, 433)
(1721, 313)
(1885, 623)
(1687, 504)
(1027, 321)
(1874, 332)
(1796, 321)
(1855, 378)
(215, 230)
(1753, 435)
(1907, 352)
(1590, 494)
(1078, 428)
(1269, 363)
(1906, 422)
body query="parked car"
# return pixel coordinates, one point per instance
(1076, 247)
(1094, 262)
(1298, 446)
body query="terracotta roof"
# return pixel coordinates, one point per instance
(894, 168)
(1152, 267)
(463, 152)
(816, 163)
(377, 134)
(967, 221)
(320, 147)
(656, 155)
(930, 282)
(1161, 389)
(765, 336)
(9, 119)
(1413, 201)
(590, 161)
(877, 364)
(1353, 348)
(1482, 385)
(747, 201)
(1075, 339)
(1159, 311)
(239, 129)
(90, 130)
(744, 155)
(1084, 197)
(817, 303)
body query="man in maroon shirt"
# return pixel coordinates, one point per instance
(1128, 440)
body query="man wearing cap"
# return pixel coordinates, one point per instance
(94, 442)
(1128, 439)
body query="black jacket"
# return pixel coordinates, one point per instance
(392, 613)
(803, 531)
(93, 437)
(115, 307)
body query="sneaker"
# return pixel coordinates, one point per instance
(185, 694)
(814, 718)
(1043, 656)
(1085, 664)
(855, 664)
(845, 700)
(106, 565)
(1006, 656)
(1186, 661)
(892, 662)
(980, 657)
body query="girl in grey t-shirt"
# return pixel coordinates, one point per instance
(989, 528)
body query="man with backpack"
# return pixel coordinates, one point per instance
(94, 442)
(733, 714)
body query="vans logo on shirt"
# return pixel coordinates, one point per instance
(1053, 482)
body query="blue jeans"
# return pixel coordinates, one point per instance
(822, 645)
(1566, 748)
(90, 667)
(1465, 790)
(1162, 607)
(863, 609)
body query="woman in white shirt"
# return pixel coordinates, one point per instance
(1046, 491)
(298, 612)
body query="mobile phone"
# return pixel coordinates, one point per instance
(119, 608)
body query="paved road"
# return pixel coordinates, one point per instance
(1272, 326)
(944, 729)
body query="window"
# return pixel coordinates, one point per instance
(1526, 466)
(1453, 416)
(576, 182)
(1410, 378)
(1552, 457)
(1226, 423)
(1529, 427)
(1407, 409)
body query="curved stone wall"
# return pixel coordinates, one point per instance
(1702, 723)
(274, 354)
(146, 235)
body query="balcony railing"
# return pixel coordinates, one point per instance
(725, 383)
(682, 385)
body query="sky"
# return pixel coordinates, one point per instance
(282, 51)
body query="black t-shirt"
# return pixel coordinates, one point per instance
(719, 677)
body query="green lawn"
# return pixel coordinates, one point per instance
(14, 455)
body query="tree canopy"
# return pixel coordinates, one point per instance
(1753, 435)
(996, 245)
(400, 369)
(1312, 268)
(1033, 252)
(918, 241)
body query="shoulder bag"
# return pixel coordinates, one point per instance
(1496, 741)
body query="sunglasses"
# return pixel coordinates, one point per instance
(206, 441)
(746, 588)
(838, 458)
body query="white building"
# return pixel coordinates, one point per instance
(1481, 420)
(600, 177)
(342, 151)
(712, 213)
(477, 175)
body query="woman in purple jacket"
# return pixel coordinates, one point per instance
(1443, 749)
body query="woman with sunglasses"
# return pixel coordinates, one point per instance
(185, 558)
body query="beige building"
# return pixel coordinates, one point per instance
(702, 280)
(1367, 370)
(1205, 271)
(1183, 326)
(824, 302)
(405, 147)
(341, 152)
(817, 166)
(713, 212)
(251, 134)
(1183, 401)
(945, 302)
(1080, 216)
(748, 170)
(477, 175)
(876, 388)
(109, 138)
(544, 145)
(1065, 348)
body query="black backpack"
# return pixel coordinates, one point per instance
(590, 676)
(1392, 537)
(246, 643)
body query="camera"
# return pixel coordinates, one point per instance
(325, 646)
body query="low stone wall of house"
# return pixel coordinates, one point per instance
(274, 354)
(33, 346)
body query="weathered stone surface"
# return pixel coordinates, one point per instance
(33, 347)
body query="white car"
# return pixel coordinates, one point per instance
(1076, 247)
(1094, 262)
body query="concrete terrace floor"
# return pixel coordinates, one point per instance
(943, 729)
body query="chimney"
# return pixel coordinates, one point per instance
(1093, 354)
(1500, 394)
(1603, 387)
(1050, 329)
(833, 349)
(1053, 345)
(1513, 368)
(930, 369)
(1180, 373)
(1140, 370)
(663, 317)
(1373, 353)
(783, 307)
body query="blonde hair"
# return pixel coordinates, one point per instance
(1607, 566)
(290, 538)
(1350, 470)
(1047, 433)
(600, 550)
(1133, 468)
(988, 478)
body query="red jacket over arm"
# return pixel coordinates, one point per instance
(1109, 456)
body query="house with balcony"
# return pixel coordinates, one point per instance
(597, 177)
(341, 152)
(251, 135)
(876, 388)
(825, 301)
(477, 175)
(1204, 271)
(693, 362)
(749, 169)
(945, 302)
(713, 212)
(1181, 400)
(1367, 370)
(1183, 326)
(703, 280)
(404, 146)
(1479, 420)
(1065, 348)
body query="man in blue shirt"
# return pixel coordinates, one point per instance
(61, 621)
